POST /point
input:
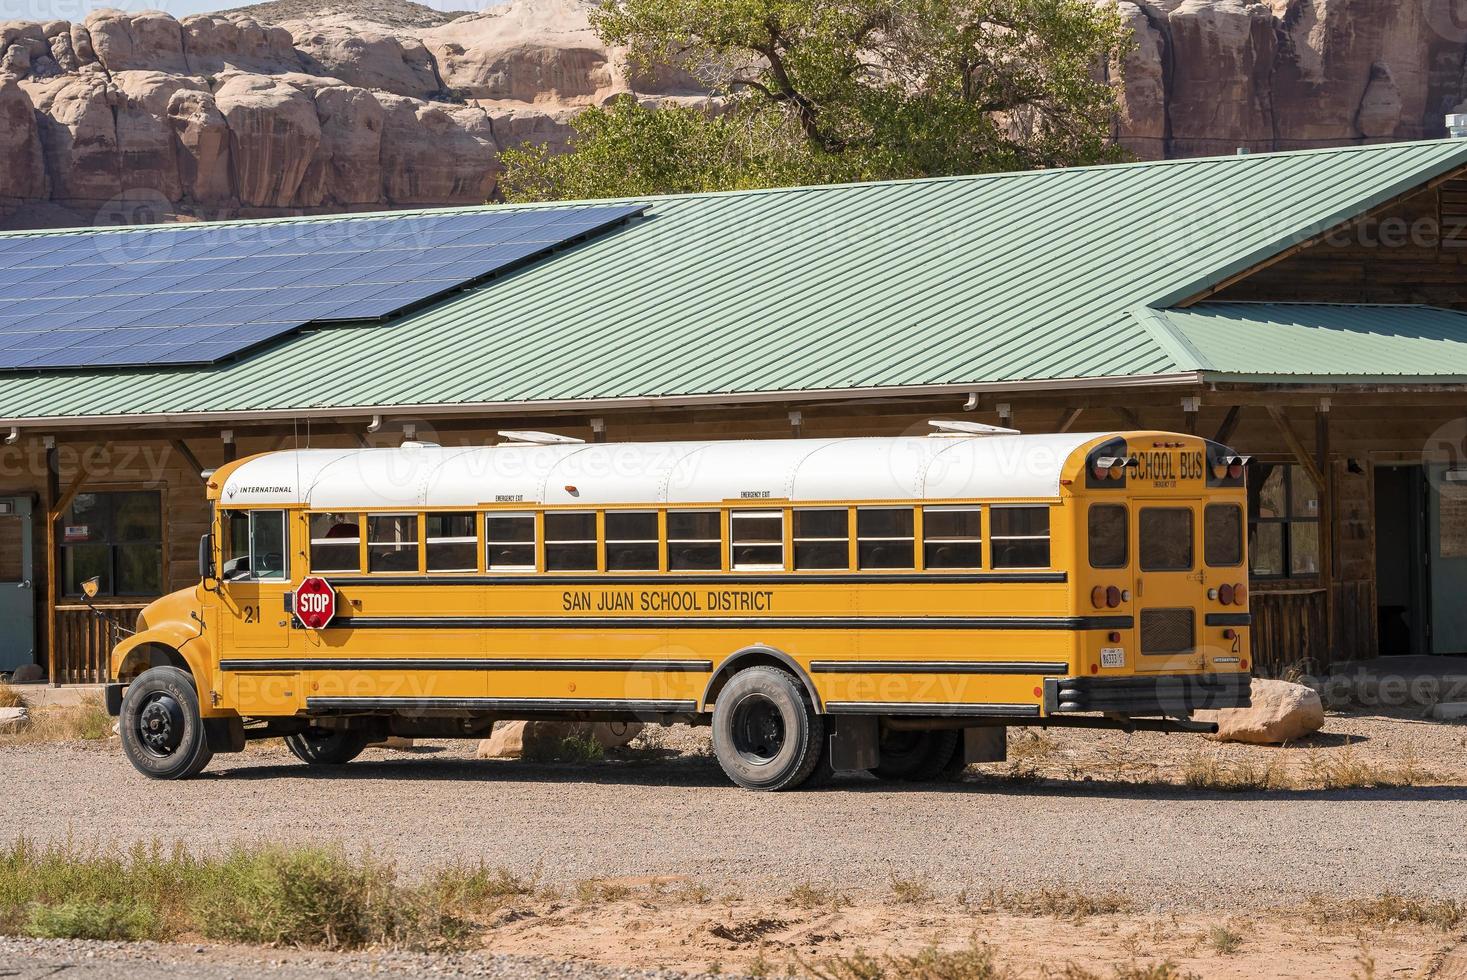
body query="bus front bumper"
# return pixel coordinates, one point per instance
(1143, 695)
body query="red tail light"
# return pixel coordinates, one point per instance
(1112, 597)
(1235, 470)
(1225, 594)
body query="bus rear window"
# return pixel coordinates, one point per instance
(1020, 537)
(1222, 535)
(1108, 532)
(1166, 539)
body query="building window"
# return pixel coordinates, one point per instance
(952, 537)
(452, 540)
(1283, 521)
(255, 547)
(509, 542)
(570, 542)
(822, 538)
(885, 538)
(631, 541)
(757, 539)
(694, 543)
(1020, 537)
(336, 541)
(116, 537)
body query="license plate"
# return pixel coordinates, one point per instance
(1112, 656)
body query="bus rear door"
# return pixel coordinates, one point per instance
(1169, 583)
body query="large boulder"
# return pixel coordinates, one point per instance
(78, 129)
(215, 43)
(145, 137)
(350, 156)
(368, 59)
(1281, 712)
(201, 136)
(21, 159)
(13, 720)
(147, 41)
(533, 740)
(436, 154)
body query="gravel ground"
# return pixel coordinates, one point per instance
(32, 959)
(669, 811)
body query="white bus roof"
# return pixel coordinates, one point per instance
(904, 468)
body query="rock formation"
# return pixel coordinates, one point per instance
(286, 107)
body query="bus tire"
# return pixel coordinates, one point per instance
(161, 727)
(327, 746)
(766, 734)
(916, 756)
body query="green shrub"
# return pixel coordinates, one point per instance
(92, 920)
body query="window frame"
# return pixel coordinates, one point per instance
(1125, 535)
(360, 542)
(1047, 537)
(927, 539)
(607, 540)
(417, 542)
(910, 540)
(545, 542)
(721, 542)
(473, 541)
(1192, 556)
(759, 513)
(796, 539)
(1287, 521)
(1241, 511)
(536, 556)
(250, 515)
(112, 544)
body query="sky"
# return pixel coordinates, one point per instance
(77, 10)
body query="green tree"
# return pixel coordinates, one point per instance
(820, 90)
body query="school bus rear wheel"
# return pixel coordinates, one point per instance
(161, 727)
(318, 746)
(766, 734)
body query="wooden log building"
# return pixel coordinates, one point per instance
(1309, 309)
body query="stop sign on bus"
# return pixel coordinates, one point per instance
(315, 603)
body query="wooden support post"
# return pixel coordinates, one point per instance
(1328, 554)
(50, 563)
(1191, 406)
(1301, 455)
(226, 436)
(1229, 425)
(1068, 418)
(188, 457)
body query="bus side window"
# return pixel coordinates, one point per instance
(254, 546)
(756, 538)
(1222, 535)
(570, 541)
(236, 545)
(1019, 537)
(694, 541)
(1108, 533)
(885, 537)
(822, 538)
(631, 541)
(452, 540)
(392, 543)
(509, 542)
(952, 537)
(335, 543)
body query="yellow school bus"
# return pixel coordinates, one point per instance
(880, 604)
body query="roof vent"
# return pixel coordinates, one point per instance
(537, 439)
(950, 427)
(418, 444)
(1457, 125)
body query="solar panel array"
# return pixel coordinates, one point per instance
(198, 294)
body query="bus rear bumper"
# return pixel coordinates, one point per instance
(1169, 695)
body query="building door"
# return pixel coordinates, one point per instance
(17, 585)
(1446, 553)
(1401, 560)
(1169, 583)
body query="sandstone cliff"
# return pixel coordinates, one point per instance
(311, 105)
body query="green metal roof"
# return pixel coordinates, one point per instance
(1263, 341)
(1037, 277)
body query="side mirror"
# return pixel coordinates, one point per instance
(206, 557)
(92, 586)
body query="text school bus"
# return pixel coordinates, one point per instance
(888, 604)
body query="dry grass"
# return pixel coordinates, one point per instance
(1224, 940)
(1208, 770)
(910, 891)
(600, 891)
(973, 962)
(84, 722)
(808, 896)
(1055, 903)
(10, 697)
(1345, 769)
(1389, 910)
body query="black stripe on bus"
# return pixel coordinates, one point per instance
(932, 709)
(676, 578)
(456, 663)
(935, 667)
(1229, 619)
(502, 704)
(726, 622)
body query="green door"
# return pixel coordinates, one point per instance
(17, 586)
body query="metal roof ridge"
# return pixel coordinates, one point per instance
(1184, 355)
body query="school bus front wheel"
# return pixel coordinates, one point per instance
(161, 727)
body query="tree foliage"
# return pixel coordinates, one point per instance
(815, 90)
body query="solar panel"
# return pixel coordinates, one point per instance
(196, 294)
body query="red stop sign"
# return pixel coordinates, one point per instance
(315, 602)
